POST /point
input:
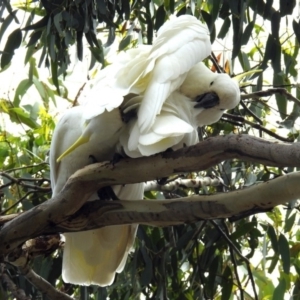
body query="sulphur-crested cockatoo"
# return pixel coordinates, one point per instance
(174, 91)
(158, 81)
(151, 72)
(94, 256)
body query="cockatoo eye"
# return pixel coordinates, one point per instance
(207, 100)
(211, 83)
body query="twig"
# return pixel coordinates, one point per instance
(26, 167)
(19, 294)
(17, 202)
(20, 182)
(75, 102)
(225, 236)
(251, 113)
(183, 183)
(271, 92)
(234, 263)
(216, 64)
(256, 126)
(43, 285)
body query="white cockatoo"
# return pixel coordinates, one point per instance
(151, 72)
(94, 256)
(172, 92)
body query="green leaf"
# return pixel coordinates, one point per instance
(284, 251)
(160, 17)
(261, 8)
(125, 42)
(250, 179)
(215, 8)
(279, 291)
(18, 115)
(54, 75)
(6, 23)
(227, 284)
(34, 37)
(147, 273)
(273, 238)
(213, 273)
(296, 290)
(275, 25)
(289, 222)
(98, 54)
(225, 28)
(280, 99)
(287, 7)
(13, 42)
(21, 90)
(244, 61)
(296, 27)
(268, 52)
(273, 264)
(242, 230)
(38, 25)
(247, 33)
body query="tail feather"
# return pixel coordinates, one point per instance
(94, 256)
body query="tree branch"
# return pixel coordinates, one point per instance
(44, 286)
(270, 92)
(17, 293)
(182, 183)
(57, 213)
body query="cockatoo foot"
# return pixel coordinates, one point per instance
(127, 116)
(107, 193)
(116, 158)
(207, 100)
(92, 159)
(164, 180)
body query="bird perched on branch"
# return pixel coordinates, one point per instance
(171, 93)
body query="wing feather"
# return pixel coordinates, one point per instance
(176, 50)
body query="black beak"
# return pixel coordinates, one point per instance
(207, 100)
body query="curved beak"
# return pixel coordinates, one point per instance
(207, 100)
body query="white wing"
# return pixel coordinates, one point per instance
(181, 43)
(152, 71)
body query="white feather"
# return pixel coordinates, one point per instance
(164, 80)
(153, 72)
(94, 256)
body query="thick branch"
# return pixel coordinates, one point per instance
(184, 210)
(57, 211)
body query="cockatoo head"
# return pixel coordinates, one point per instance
(212, 93)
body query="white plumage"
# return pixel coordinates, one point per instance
(91, 257)
(173, 93)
